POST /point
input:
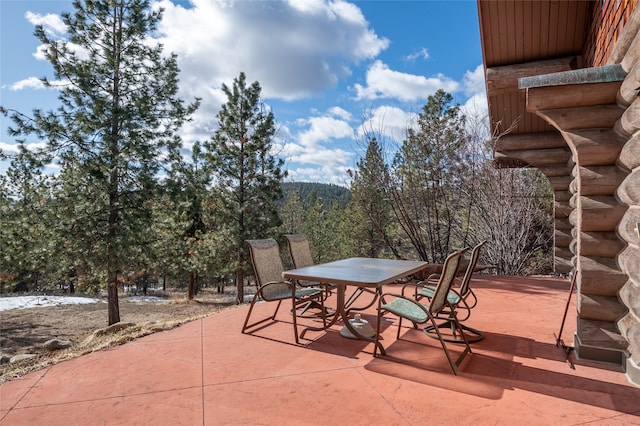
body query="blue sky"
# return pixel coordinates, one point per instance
(330, 71)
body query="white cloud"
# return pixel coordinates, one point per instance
(473, 81)
(420, 54)
(317, 155)
(51, 23)
(293, 49)
(28, 83)
(9, 148)
(36, 83)
(341, 113)
(476, 106)
(326, 173)
(322, 129)
(383, 82)
(299, 50)
(388, 121)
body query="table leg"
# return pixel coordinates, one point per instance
(339, 312)
(344, 313)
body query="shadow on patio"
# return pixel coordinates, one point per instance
(207, 372)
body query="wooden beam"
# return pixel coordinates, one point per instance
(518, 142)
(572, 95)
(562, 195)
(600, 244)
(597, 180)
(560, 183)
(562, 238)
(561, 209)
(629, 88)
(538, 157)
(596, 147)
(597, 214)
(505, 78)
(630, 154)
(589, 117)
(630, 121)
(601, 276)
(629, 190)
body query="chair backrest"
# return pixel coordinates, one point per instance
(300, 250)
(267, 263)
(473, 261)
(447, 277)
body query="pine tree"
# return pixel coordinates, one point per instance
(248, 172)
(118, 117)
(370, 190)
(24, 230)
(187, 187)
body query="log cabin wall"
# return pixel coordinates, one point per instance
(567, 103)
(582, 105)
(627, 54)
(608, 19)
(597, 112)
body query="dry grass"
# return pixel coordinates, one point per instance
(99, 340)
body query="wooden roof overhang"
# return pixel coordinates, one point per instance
(523, 39)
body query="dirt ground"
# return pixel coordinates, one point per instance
(23, 331)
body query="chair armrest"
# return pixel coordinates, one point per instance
(263, 291)
(415, 287)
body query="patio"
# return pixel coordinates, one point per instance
(207, 372)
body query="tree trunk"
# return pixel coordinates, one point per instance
(239, 285)
(191, 291)
(114, 308)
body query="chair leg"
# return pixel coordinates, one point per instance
(475, 299)
(375, 346)
(246, 324)
(295, 322)
(471, 334)
(315, 304)
(246, 320)
(276, 311)
(454, 364)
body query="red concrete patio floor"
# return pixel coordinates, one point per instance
(206, 373)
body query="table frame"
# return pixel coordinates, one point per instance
(366, 274)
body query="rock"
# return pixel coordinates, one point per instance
(21, 357)
(56, 344)
(5, 359)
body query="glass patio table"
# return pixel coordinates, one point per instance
(364, 274)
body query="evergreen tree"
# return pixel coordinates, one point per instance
(24, 230)
(249, 175)
(118, 117)
(427, 177)
(370, 189)
(316, 227)
(292, 215)
(188, 187)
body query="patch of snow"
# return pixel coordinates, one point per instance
(25, 302)
(147, 299)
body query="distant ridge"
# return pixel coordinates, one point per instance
(329, 193)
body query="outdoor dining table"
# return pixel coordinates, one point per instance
(359, 272)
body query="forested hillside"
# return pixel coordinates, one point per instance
(330, 194)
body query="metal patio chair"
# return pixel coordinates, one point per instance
(300, 253)
(462, 298)
(419, 313)
(268, 269)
